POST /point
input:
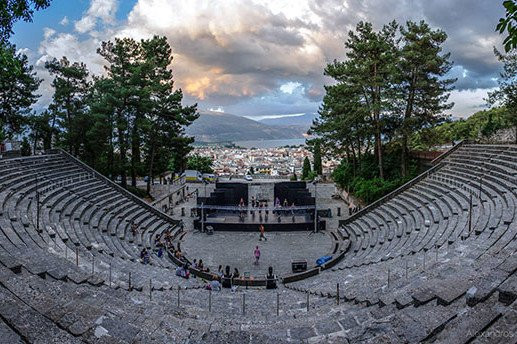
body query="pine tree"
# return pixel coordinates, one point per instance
(306, 169)
(71, 88)
(420, 85)
(366, 78)
(318, 168)
(17, 91)
(123, 73)
(165, 117)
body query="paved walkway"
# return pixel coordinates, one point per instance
(236, 249)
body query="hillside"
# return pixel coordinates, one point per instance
(224, 127)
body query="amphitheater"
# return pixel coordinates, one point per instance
(432, 262)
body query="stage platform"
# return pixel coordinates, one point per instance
(250, 223)
(236, 250)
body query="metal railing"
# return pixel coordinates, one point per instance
(180, 182)
(249, 208)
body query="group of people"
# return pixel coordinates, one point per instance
(183, 271)
(259, 206)
(162, 242)
(200, 265)
(225, 279)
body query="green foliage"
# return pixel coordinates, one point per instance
(317, 159)
(506, 95)
(362, 179)
(25, 147)
(312, 175)
(373, 189)
(13, 10)
(306, 168)
(200, 163)
(68, 107)
(129, 122)
(352, 111)
(421, 91)
(294, 177)
(481, 124)
(17, 91)
(509, 24)
(390, 85)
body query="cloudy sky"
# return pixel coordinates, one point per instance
(260, 58)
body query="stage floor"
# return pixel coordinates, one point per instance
(236, 249)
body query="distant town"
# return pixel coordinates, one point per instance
(279, 161)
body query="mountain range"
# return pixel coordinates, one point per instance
(213, 127)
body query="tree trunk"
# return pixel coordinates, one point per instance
(377, 117)
(135, 153)
(403, 155)
(35, 145)
(52, 128)
(149, 176)
(359, 154)
(110, 155)
(123, 152)
(407, 116)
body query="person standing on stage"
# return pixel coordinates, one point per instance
(257, 255)
(262, 230)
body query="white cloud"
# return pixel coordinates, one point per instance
(289, 87)
(64, 21)
(216, 109)
(467, 102)
(103, 10)
(238, 54)
(48, 32)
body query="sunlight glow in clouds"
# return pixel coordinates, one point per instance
(289, 87)
(263, 57)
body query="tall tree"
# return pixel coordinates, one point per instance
(71, 88)
(306, 168)
(18, 84)
(123, 57)
(101, 134)
(318, 168)
(369, 67)
(166, 118)
(507, 93)
(422, 89)
(40, 130)
(147, 115)
(10, 63)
